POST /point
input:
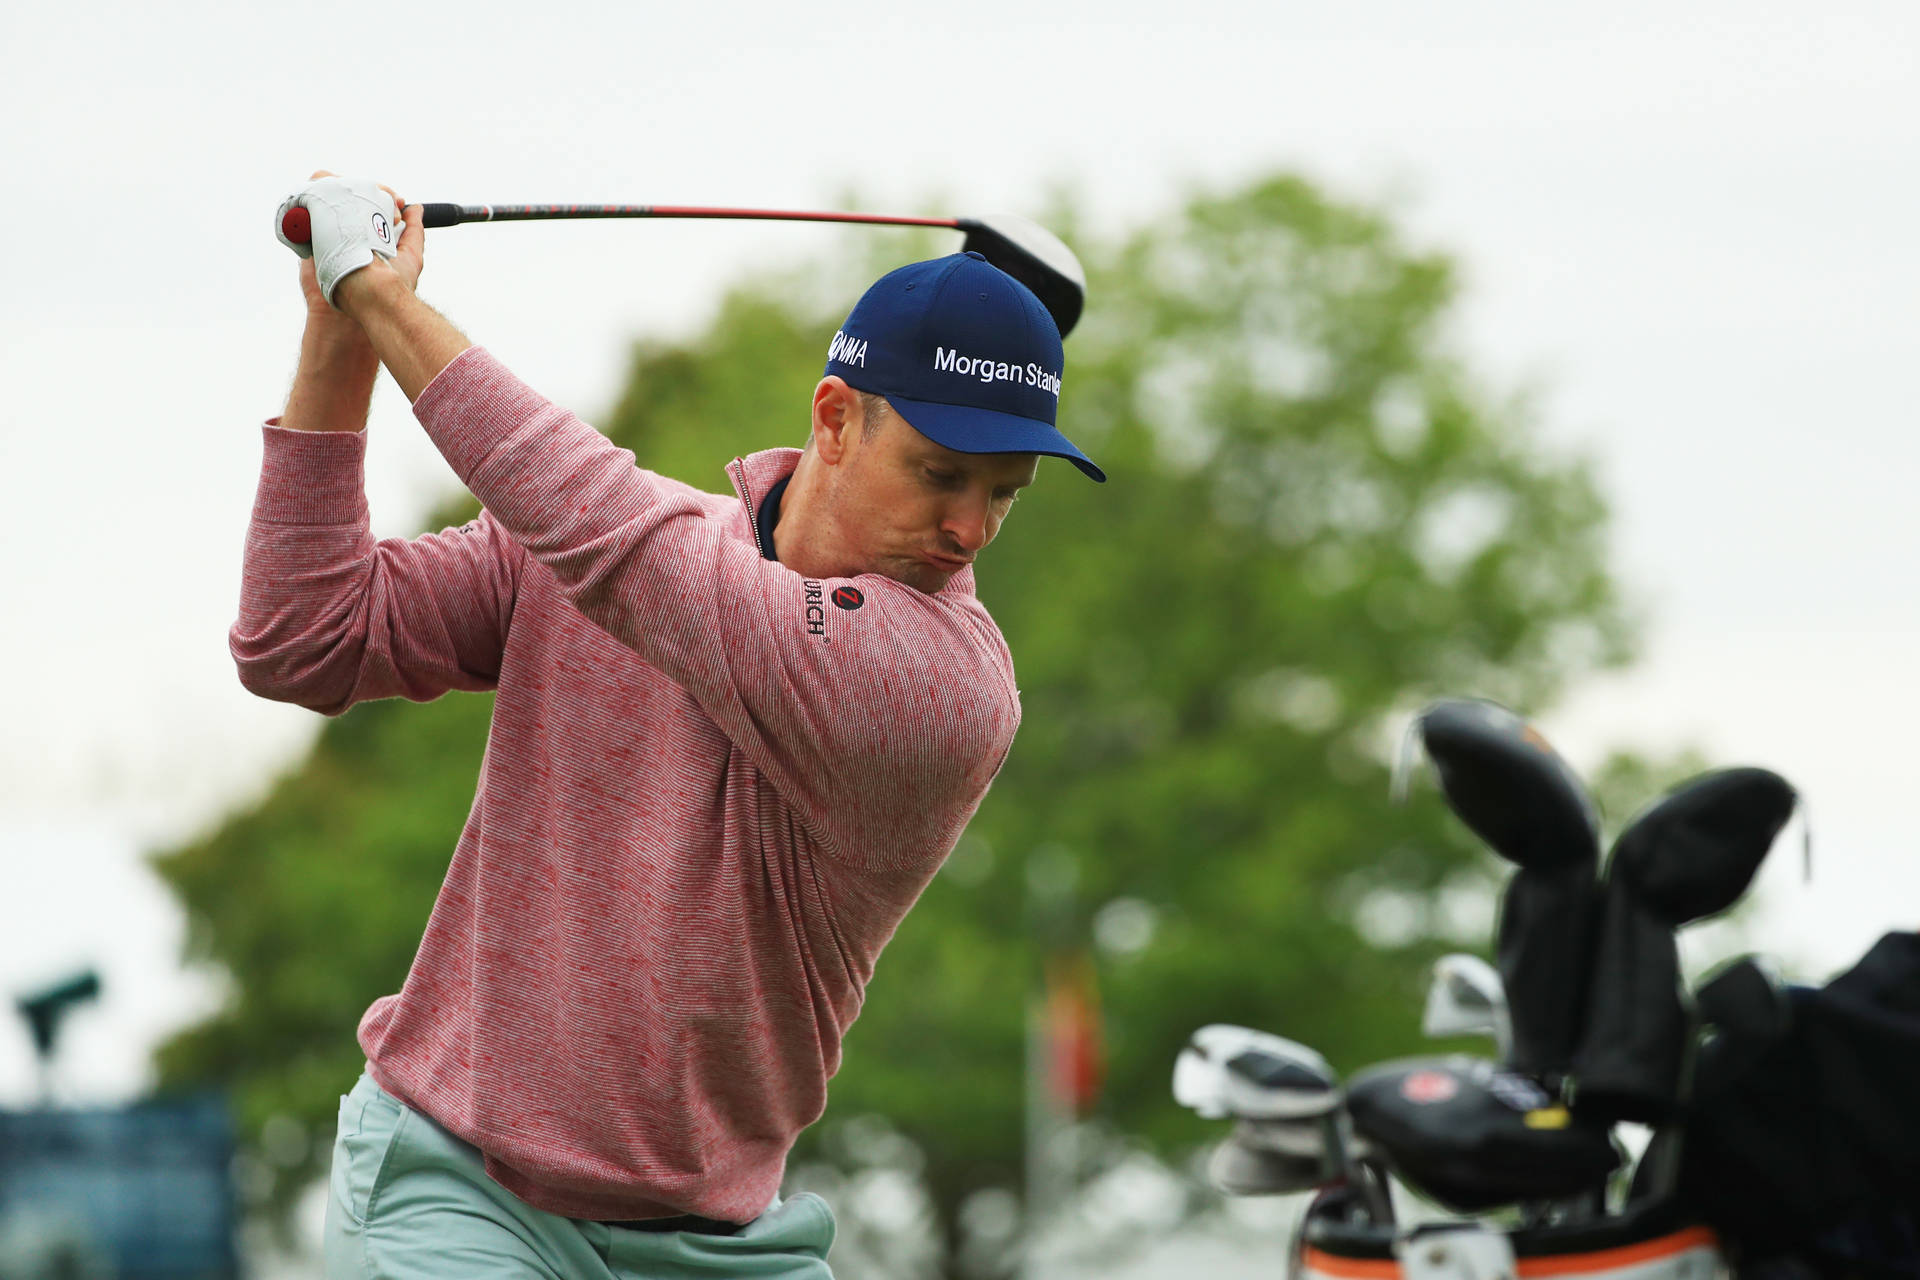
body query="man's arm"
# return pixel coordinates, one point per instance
(328, 616)
(881, 717)
(411, 339)
(333, 383)
(886, 724)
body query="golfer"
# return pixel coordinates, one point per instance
(735, 736)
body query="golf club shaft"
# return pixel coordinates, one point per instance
(442, 214)
(447, 215)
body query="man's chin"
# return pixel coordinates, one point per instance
(917, 574)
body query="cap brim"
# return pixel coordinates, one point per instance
(964, 429)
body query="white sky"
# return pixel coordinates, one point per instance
(1690, 229)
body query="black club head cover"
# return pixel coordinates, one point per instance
(1696, 851)
(1512, 789)
(1543, 949)
(1690, 855)
(1473, 1137)
(1509, 786)
(1634, 1039)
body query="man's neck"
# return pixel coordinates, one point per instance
(803, 538)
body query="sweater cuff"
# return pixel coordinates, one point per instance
(472, 406)
(311, 477)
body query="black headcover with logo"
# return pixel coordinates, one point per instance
(1474, 1137)
(1515, 792)
(1509, 785)
(1689, 856)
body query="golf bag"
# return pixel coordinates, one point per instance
(1786, 1122)
(1806, 1151)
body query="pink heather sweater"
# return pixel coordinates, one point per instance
(711, 791)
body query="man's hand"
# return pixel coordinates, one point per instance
(354, 229)
(364, 263)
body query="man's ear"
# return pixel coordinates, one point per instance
(837, 415)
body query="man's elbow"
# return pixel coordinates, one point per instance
(281, 676)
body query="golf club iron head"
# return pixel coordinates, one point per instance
(1236, 1071)
(1467, 998)
(1275, 1157)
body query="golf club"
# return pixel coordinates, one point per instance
(1467, 998)
(1689, 856)
(1508, 785)
(1024, 250)
(1285, 1090)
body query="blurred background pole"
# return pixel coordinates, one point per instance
(1045, 1175)
(44, 1011)
(1064, 1059)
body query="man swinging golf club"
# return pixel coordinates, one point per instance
(734, 738)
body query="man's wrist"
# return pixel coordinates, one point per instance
(335, 332)
(335, 378)
(369, 288)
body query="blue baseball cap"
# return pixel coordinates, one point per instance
(965, 353)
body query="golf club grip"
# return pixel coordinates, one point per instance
(298, 228)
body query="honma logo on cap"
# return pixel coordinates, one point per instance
(848, 351)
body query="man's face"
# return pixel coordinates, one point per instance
(917, 511)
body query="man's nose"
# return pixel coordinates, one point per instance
(968, 522)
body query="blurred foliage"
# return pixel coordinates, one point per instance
(1317, 519)
(1626, 782)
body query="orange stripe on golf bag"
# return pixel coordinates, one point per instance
(1578, 1264)
(1594, 1262)
(1319, 1262)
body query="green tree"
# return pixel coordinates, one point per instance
(1317, 518)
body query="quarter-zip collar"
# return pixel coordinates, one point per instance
(753, 478)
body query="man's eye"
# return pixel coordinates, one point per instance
(942, 477)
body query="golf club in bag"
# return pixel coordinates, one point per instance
(1787, 1138)
(1508, 785)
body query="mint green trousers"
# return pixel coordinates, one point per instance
(409, 1201)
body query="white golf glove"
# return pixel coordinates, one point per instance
(353, 221)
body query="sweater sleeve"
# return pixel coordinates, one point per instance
(329, 616)
(882, 718)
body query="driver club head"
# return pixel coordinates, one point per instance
(1036, 258)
